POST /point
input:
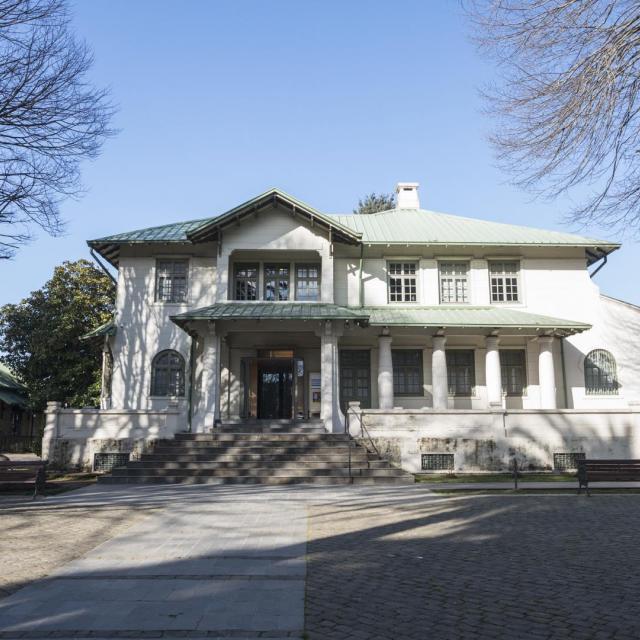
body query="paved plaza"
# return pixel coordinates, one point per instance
(344, 562)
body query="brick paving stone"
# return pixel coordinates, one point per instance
(538, 567)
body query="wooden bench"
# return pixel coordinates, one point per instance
(606, 471)
(24, 472)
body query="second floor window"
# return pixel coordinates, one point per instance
(407, 372)
(461, 372)
(276, 282)
(308, 282)
(513, 371)
(504, 278)
(246, 281)
(171, 280)
(454, 282)
(403, 283)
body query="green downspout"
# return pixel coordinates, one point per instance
(360, 290)
(192, 348)
(564, 375)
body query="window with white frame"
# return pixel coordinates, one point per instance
(513, 371)
(402, 282)
(461, 371)
(504, 277)
(454, 282)
(246, 281)
(308, 282)
(276, 282)
(171, 280)
(600, 373)
(407, 372)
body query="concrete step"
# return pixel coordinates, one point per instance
(267, 480)
(256, 464)
(356, 455)
(242, 449)
(258, 437)
(299, 472)
(270, 426)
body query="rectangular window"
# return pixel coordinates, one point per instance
(402, 283)
(171, 280)
(407, 372)
(246, 281)
(308, 282)
(276, 282)
(454, 282)
(461, 371)
(504, 278)
(437, 461)
(513, 371)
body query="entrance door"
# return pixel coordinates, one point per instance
(275, 389)
(355, 377)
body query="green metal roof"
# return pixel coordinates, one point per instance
(11, 390)
(417, 226)
(271, 311)
(107, 329)
(395, 226)
(468, 317)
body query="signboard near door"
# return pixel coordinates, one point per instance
(314, 394)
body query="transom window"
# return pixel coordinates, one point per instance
(454, 282)
(513, 371)
(308, 282)
(171, 280)
(167, 374)
(600, 373)
(246, 281)
(461, 371)
(276, 282)
(403, 282)
(504, 278)
(407, 372)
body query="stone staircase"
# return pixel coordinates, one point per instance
(262, 452)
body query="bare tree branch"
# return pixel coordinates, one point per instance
(51, 118)
(567, 101)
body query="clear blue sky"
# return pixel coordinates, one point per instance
(328, 100)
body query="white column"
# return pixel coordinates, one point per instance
(330, 412)
(546, 373)
(385, 373)
(326, 275)
(493, 372)
(223, 273)
(209, 411)
(439, 383)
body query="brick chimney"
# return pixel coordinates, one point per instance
(407, 195)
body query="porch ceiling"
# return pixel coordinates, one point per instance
(271, 311)
(468, 317)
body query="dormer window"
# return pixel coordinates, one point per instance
(276, 282)
(246, 282)
(454, 282)
(403, 282)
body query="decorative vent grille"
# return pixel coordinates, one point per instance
(107, 461)
(565, 461)
(437, 461)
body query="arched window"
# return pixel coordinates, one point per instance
(167, 374)
(600, 374)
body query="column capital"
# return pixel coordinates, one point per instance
(439, 342)
(492, 342)
(546, 341)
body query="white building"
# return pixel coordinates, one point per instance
(445, 340)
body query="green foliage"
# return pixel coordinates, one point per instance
(376, 202)
(40, 336)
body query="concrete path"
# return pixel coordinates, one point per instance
(213, 563)
(567, 486)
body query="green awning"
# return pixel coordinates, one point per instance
(106, 329)
(492, 317)
(271, 311)
(12, 398)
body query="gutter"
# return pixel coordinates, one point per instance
(604, 261)
(360, 282)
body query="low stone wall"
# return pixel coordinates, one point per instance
(73, 436)
(490, 440)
